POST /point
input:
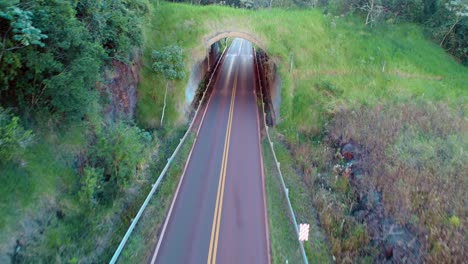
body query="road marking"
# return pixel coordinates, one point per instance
(240, 48)
(169, 214)
(222, 180)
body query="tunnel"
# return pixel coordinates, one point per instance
(268, 82)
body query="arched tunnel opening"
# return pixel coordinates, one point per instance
(267, 81)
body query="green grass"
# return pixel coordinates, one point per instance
(327, 52)
(43, 171)
(284, 242)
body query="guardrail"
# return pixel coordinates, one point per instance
(166, 168)
(286, 191)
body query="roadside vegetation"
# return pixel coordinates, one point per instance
(372, 126)
(284, 242)
(74, 165)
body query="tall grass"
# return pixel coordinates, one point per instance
(42, 170)
(359, 65)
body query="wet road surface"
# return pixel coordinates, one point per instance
(219, 213)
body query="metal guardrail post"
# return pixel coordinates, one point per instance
(286, 191)
(135, 220)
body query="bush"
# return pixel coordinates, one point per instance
(169, 62)
(91, 185)
(115, 155)
(13, 137)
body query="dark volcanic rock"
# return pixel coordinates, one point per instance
(351, 151)
(396, 243)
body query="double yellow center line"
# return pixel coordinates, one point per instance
(222, 179)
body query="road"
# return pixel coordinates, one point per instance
(219, 212)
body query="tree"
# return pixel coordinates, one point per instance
(169, 62)
(113, 159)
(115, 24)
(57, 78)
(459, 9)
(13, 137)
(374, 11)
(20, 31)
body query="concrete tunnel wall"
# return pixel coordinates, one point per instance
(199, 56)
(201, 65)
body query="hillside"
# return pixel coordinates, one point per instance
(371, 131)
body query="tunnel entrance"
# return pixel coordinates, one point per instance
(268, 83)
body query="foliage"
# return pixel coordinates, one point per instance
(58, 79)
(91, 185)
(51, 64)
(13, 137)
(115, 25)
(445, 20)
(169, 62)
(63, 46)
(16, 32)
(113, 160)
(450, 26)
(21, 28)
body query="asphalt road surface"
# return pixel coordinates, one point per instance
(219, 213)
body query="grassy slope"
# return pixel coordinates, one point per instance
(340, 51)
(338, 64)
(46, 169)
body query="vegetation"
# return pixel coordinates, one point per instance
(445, 21)
(13, 138)
(113, 158)
(76, 177)
(73, 175)
(284, 243)
(418, 169)
(169, 62)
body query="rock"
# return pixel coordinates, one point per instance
(401, 243)
(359, 214)
(371, 200)
(351, 151)
(388, 251)
(121, 86)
